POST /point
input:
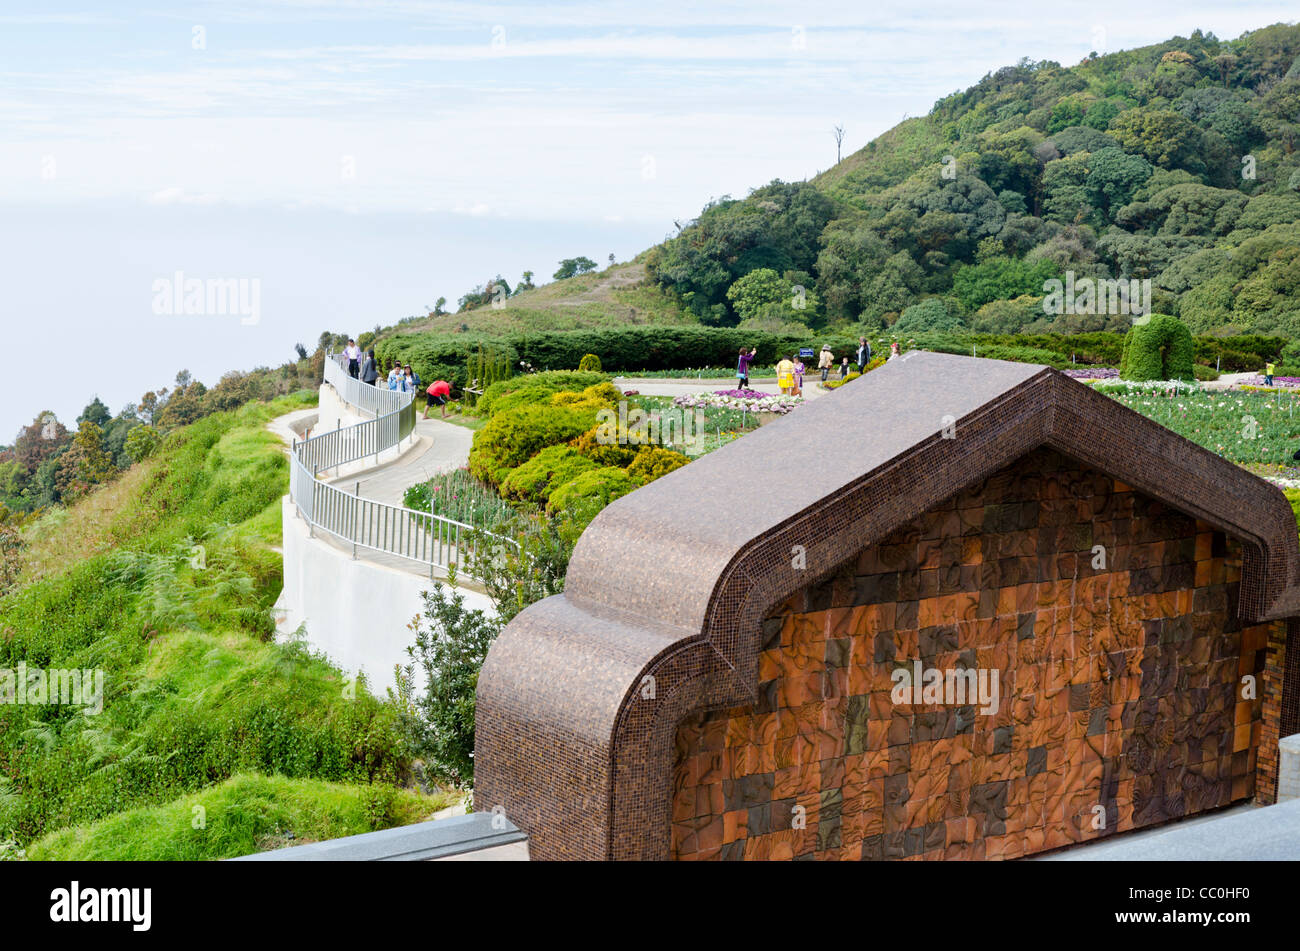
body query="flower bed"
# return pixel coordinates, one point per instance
(1285, 381)
(750, 401)
(1147, 386)
(1093, 373)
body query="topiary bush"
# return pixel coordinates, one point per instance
(589, 363)
(600, 486)
(513, 436)
(1160, 349)
(651, 462)
(552, 467)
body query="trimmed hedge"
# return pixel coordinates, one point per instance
(622, 349)
(1160, 349)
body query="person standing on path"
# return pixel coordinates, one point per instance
(394, 376)
(844, 369)
(785, 376)
(1268, 374)
(439, 391)
(369, 372)
(352, 353)
(742, 367)
(825, 360)
(864, 354)
(799, 369)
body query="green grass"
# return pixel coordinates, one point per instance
(169, 593)
(247, 813)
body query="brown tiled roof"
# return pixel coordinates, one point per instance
(667, 587)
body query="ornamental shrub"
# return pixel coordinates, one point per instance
(549, 469)
(513, 436)
(651, 462)
(589, 364)
(1160, 349)
(534, 388)
(605, 454)
(600, 486)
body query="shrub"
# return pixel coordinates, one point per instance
(651, 462)
(511, 437)
(590, 363)
(598, 486)
(534, 388)
(931, 314)
(836, 384)
(600, 396)
(1160, 349)
(535, 479)
(605, 454)
(451, 643)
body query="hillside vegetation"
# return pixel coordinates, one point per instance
(164, 580)
(1174, 163)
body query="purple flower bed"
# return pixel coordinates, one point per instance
(743, 394)
(1093, 373)
(1288, 381)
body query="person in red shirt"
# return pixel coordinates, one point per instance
(439, 391)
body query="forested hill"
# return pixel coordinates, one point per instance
(1176, 162)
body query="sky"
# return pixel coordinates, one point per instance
(344, 163)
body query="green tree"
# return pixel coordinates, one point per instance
(573, 266)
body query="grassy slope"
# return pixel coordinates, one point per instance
(245, 814)
(195, 691)
(616, 295)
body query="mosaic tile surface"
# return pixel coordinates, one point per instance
(1118, 686)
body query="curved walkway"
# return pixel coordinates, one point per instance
(442, 447)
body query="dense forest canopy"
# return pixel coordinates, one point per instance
(1175, 163)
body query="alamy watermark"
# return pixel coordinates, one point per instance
(955, 686)
(179, 295)
(34, 686)
(1088, 295)
(670, 426)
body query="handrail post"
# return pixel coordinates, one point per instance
(356, 504)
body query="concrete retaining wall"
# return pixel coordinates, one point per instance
(356, 612)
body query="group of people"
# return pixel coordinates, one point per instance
(364, 367)
(790, 370)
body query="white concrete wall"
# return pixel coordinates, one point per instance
(356, 612)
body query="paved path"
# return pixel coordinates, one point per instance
(442, 447)
(654, 386)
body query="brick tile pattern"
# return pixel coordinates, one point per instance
(1120, 686)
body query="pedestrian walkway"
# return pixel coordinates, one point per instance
(442, 447)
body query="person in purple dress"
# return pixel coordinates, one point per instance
(747, 355)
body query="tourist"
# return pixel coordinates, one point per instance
(825, 361)
(394, 376)
(439, 391)
(742, 367)
(844, 369)
(1268, 374)
(352, 353)
(864, 354)
(785, 375)
(894, 351)
(369, 371)
(799, 369)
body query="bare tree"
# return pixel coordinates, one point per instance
(838, 132)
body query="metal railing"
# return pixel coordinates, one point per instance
(432, 540)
